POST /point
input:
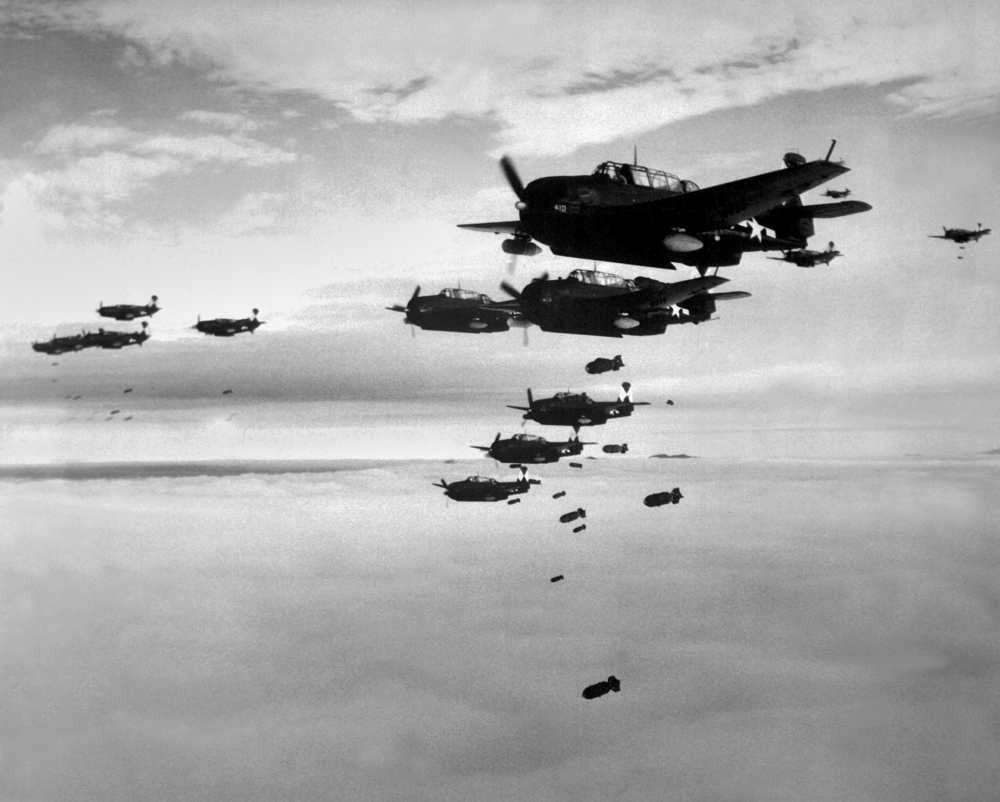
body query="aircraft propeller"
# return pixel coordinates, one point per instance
(406, 309)
(510, 173)
(512, 291)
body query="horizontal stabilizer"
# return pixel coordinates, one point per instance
(504, 227)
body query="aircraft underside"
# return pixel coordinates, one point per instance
(610, 244)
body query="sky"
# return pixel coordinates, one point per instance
(313, 160)
(791, 630)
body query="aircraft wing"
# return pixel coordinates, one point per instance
(736, 201)
(504, 227)
(828, 210)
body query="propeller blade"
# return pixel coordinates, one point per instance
(510, 290)
(510, 173)
(524, 339)
(416, 292)
(396, 308)
(512, 264)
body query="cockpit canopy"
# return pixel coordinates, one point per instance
(600, 279)
(636, 176)
(466, 295)
(485, 480)
(582, 397)
(528, 438)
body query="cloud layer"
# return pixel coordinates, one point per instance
(788, 630)
(531, 66)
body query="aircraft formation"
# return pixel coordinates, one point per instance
(620, 213)
(116, 340)
(627, 214)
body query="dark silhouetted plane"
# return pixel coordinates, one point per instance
(602, 304)
(809, 258)
(531, 448)
(484, 488)
(454, 310)
(578, 409)
(228, 327)
(63, 345)
(128, 311)
(963, 235)
(636, 215)
(116, 340)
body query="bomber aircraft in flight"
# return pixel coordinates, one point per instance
(454, 310)
(485, 488)
(524, 447)
(963, 235)
(578, 409)
(62, 345)
(809, 258)
(128, 311)
(228, 327)
(838, 193)
(640, 216)
(117, 339)
(605, 305)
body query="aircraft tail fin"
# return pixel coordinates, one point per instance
(626, 392)
(618, 362)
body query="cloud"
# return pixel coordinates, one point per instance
(229, 120)
(531, 67)
(87, 166)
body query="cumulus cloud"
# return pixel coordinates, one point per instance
(533, 66)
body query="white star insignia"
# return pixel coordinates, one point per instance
(756, 230)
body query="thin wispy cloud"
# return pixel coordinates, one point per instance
(641, 69)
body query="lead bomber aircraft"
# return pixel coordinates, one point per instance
(636, 215)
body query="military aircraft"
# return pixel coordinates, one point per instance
(485, 488)
(578, 409)
(128, 311)
(838, 193)
(602, 365)
(454, 310)
(636, 215)
(605, 305)
(809, 258)
(227, 327)
(962, 235)
(117, 339)
(531, 448)
(62, 345)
